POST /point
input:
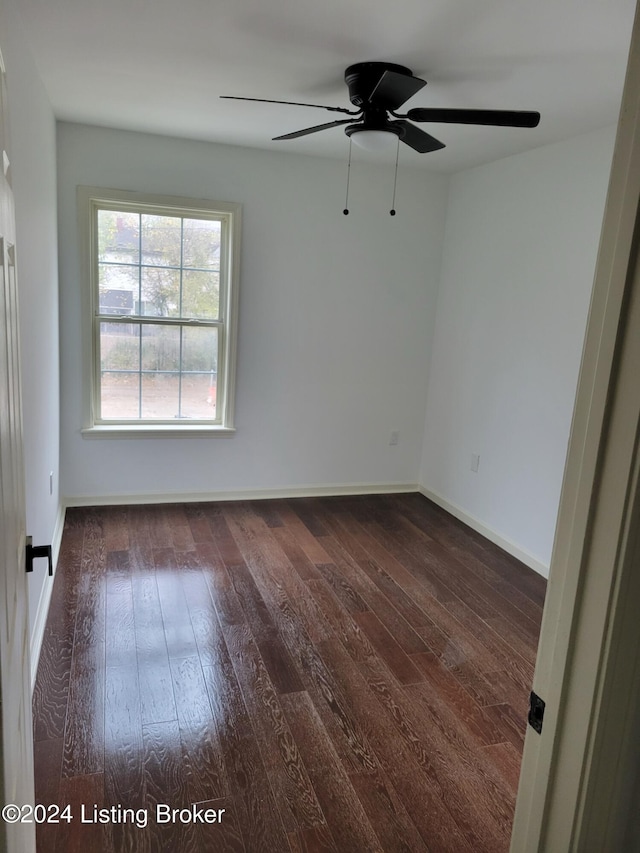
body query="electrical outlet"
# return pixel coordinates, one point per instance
(394, 438)
(475, 462)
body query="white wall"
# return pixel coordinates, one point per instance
(518, 263)
(336, 318)
(33, 161)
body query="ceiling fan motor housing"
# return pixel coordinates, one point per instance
(363, 77)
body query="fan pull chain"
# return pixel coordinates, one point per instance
(395, 180)
(346, 202)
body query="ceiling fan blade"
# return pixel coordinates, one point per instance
(417, 139)
(497, 118)
(393, 89)
(293, 103)
(307, 130)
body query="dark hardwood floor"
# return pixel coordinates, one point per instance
(344, 674)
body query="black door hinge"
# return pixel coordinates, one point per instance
(536, 712)
(35, 551)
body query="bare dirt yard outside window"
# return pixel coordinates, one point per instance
(157, 372)
(161, 397)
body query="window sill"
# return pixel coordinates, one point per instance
(159, 431)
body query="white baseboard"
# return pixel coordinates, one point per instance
(477, 525)
(243, 494)
(37, 635)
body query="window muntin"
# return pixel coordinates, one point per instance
(164, 297)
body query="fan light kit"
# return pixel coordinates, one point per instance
(373, 140)
(377, 90)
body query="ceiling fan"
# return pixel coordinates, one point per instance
(377, 90)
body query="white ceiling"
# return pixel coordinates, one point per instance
(160, 65)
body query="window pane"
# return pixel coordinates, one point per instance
(160, 396)
(199, 349)
(199, 395)
(161, 239)
(201, 294)
(160, 292)
(199, 379)
(118, 285)
(118, 236)
(120, 364)
(120, 397)
(201, 249)
(120, 346)
(161, 348)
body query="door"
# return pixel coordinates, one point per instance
(16, 739)
(576, 783)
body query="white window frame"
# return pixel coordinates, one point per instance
(90, 201)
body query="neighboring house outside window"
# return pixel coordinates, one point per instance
(163, 305)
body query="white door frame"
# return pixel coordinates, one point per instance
(576, 776)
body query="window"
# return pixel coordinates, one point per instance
(163, 305)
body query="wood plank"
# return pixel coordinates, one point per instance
(165, 782)
(178, 632)
(78, 835)
(506, 720)
(141, 543)
(222, 837)
(119, 629)
(316, 839)
(47, 759)
(268, 511)
(115, 522)
(123, 752)
(204, 618)
(445, 693)
(506, 759)
(256, 612)
(307, 541)
(346, 818)
(51, 691)
(159, 530)
(90, 608)
(342, 589)
(389, 650)
(157, 703)
(178, 524)
(295, 553)
(198, 524)
(225, 543)
(223, 594)
(54, 669)
(206, 779)
(255, 807)
(280, 664)
(298, 804)
(83, 753)
(387, 814)
(506, 656)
